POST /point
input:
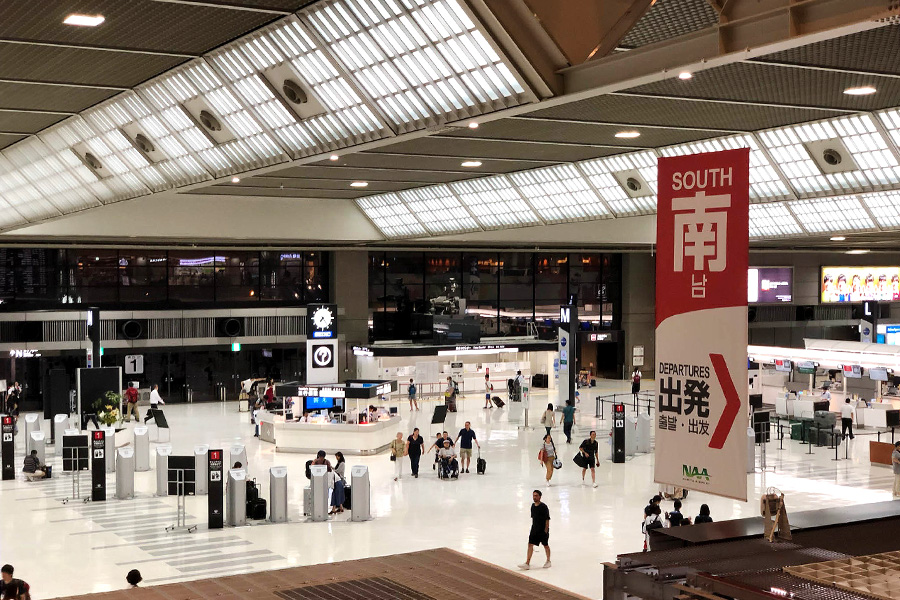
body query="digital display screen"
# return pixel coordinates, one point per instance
(858, 284)
(318, 403)
(852, 371)
(770, 285)
(783, 365)
(620, 408)
(215, 455)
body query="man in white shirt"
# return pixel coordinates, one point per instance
(155, 401)
(847, 419)
(826, 394)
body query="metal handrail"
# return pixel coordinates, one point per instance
(619, 398)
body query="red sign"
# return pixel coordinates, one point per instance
(620, 408)
(7, 420)
(98, 435)
(215, 455)
(701, 321)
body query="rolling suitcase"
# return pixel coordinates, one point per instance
(498, 402)
(252, 491)
(256, 509)
(480, 464)
(348, 504)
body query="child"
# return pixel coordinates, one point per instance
(488, 388)
(412, 395)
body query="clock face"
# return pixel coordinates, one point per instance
(323, 318)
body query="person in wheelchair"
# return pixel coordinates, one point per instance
(449, 465)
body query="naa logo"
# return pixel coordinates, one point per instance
(694, 473)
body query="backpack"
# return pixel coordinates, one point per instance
(308, 472)
(655, 524)
(412, 390)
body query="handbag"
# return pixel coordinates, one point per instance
(542, 455)
(393, 458)
(580, 460)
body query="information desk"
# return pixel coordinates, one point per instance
(349, 438)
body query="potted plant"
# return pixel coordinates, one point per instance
(108, 408)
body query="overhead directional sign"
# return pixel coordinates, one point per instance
(701, 322)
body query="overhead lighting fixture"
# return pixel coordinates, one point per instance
(838, 238)
(359, 184)
(235, 180)
(863, 90)
(685, 75)
(84, 20)
(471, 163)
(628, 134)
(333, 157)
(857, 251)
(473, 125)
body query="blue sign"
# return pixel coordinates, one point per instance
(563, 342)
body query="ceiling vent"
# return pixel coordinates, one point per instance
(633, 183)
(142, 142)
(208, 121)
(289, 88)
(90, 160)
(831, 156)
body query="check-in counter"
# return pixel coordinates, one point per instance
(877, 415)
(349, 438)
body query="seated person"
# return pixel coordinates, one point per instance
(448, 460)
(33, 468)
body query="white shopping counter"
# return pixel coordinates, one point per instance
(349, 438)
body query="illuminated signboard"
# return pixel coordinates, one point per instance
(858, 284)
(770, 285)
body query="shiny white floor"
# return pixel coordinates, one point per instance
(82, 548)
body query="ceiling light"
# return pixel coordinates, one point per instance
(471, 163)
(359, 184)
(235, 180)
(838, 238)
(857, 251)
(473, 125)
(628, 134)
(685, 75)
(863, 90)
(333, 157)
(84, 20)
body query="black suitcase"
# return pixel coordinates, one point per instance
(498, 402)
(348, 504)
(256, 509)
(252, 491)
(49, 471)
(480, 465)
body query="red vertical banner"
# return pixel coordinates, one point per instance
(702, 239)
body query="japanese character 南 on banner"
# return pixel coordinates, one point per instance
(701, 322)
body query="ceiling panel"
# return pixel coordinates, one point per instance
(386, 160)
(81, 65)
(876, 50)
(134, 24)
(285, 5)
(19, 122)
(757, 82)
(8, 139)
(50, 97)
(642, 110)
(463, 149)
(667, 19)
(581, 133)
(354, 173)
(277, 193)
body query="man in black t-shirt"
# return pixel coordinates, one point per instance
(540, 530)
(464, 439)
(415, 447)
(590, 453)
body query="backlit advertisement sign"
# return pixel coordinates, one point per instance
(858, 284)
(770, 285)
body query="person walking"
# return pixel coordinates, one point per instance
(450, 395)
(131, 403)
(488, 390)
(467, 435)
(398, 451)
(412, 395)
(155, 401)
(895, 465)
(568, 420)
(590, 450)
(847, 419)
(703, 517)
(635, 383)
(540, 530)
(415, 448)
(548, 419)
(546, 456)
